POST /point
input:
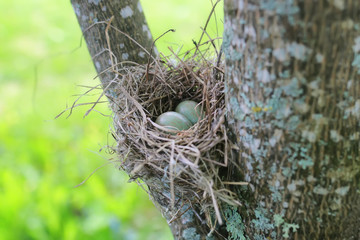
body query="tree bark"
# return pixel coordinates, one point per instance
(293, 95)
(129, 39)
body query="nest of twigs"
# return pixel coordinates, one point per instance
(190, 161)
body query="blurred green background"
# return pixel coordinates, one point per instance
(42, 69)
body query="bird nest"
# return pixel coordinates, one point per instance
(190, 161)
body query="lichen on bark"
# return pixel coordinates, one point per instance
(292, 87)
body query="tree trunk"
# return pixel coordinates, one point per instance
(116, 33)
(293, 95)
(293, 100)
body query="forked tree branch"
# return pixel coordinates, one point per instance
(116, 33)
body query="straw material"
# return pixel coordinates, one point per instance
(191, 159)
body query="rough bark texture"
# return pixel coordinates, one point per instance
(93, 16)
(293, 95)
(128, 21)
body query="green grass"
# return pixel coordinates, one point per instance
(42, 159)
